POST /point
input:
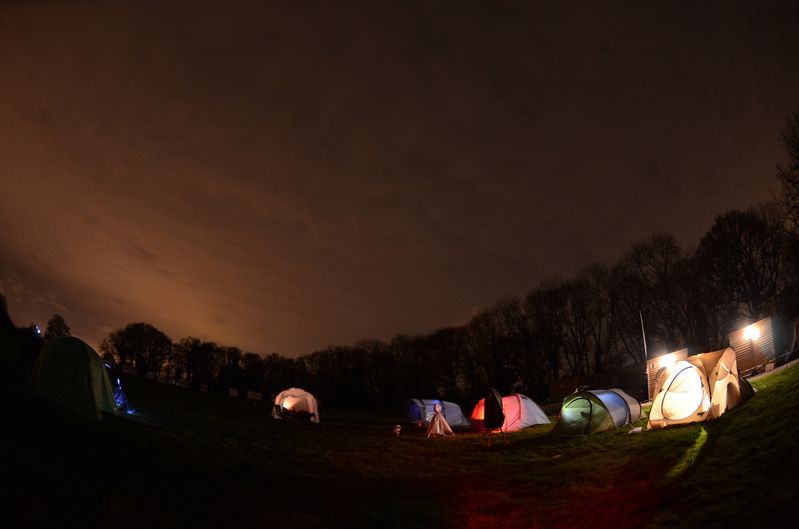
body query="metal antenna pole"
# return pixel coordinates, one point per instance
(646, 355)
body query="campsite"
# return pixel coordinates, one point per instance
(416, 264)
(203, 460)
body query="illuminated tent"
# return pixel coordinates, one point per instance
(699, 388)
(520, 412)
(591, 411)
(69, 373)
(295, 403)
(422, 411)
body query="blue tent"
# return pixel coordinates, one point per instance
(421, 411)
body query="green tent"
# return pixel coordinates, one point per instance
(597, 410)
(70, 374)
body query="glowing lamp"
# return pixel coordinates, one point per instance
(751, 333)
(667, 360)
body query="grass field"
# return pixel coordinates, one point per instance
(187, 459)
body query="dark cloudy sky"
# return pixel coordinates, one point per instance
(283, 176)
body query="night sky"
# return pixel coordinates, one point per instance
(286, 176)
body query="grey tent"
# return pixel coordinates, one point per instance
(69, 373)
(596, 410)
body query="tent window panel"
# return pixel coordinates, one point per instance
(578, 403)
(577, 415)
(684, 395)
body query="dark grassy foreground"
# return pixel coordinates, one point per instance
(195, 460)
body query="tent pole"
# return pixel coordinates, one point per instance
(646, 356)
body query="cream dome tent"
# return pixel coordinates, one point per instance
(69, 373)
(422, 411)
(591, 411)
(520, 412)
(698, 388)
(727, 387)
(295, 403)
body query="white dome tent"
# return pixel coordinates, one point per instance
(295, 403)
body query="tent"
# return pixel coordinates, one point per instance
(699, 388)
(421, 411)
(69, 373)
(296, 403)
(596, 410)
(520, 412)
(438, 424)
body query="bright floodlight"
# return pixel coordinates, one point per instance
(751, 333)
(667, 360)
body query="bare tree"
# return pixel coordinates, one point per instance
(446, 347)
(788, 173)
(231, 364)
(651, 268)
(140, 345)
(627, 305)
(545, 308)
(576, 326)
(493, 343)
(56, 327)
(252, 372)
(596, 277)
(744, 254)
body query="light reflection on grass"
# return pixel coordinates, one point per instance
(690, 455)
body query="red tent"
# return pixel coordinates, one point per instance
(520, 412)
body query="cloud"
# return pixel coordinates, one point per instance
(17, 294)
(282, 179)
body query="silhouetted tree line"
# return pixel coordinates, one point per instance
(744, 268)
(19, 347)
